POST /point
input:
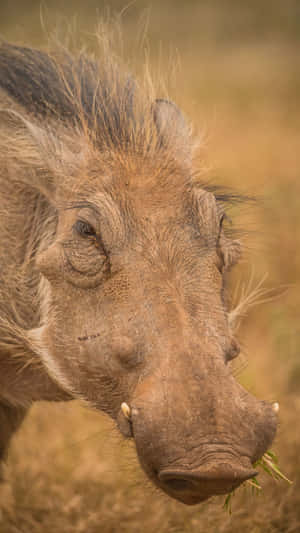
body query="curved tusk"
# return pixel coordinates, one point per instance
(275, 407)
(126, 410)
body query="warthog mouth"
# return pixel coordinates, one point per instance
(192, 487)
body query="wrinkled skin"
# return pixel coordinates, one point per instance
(131, 289)
(152, 330)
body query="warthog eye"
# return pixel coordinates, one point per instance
(84, 228)
(86, 260)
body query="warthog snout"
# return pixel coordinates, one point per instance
(198, 471)
(195, 439)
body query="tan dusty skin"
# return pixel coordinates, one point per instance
(113, 264)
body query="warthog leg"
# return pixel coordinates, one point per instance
(10, 420)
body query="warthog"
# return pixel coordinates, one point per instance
(113, 261)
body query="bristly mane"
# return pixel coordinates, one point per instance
(73, 89)
(94, 96)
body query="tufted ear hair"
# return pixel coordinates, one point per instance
(26, 152)
(172, 128)
(212, 231)
(231, 251)
(36, 156)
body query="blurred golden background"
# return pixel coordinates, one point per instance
(238, 79)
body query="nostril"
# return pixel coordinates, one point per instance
(179, 484)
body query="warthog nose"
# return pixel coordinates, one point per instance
(200, 484)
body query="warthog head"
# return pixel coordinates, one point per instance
(132, 261)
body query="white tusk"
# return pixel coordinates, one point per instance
(275, 407)
(126, 410)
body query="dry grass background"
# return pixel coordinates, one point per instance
(239, 81)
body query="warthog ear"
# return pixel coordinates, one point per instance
(212, 231)
(39, 157)
(26, 150)
(172, 128)
(231, 250)
(208, 218)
